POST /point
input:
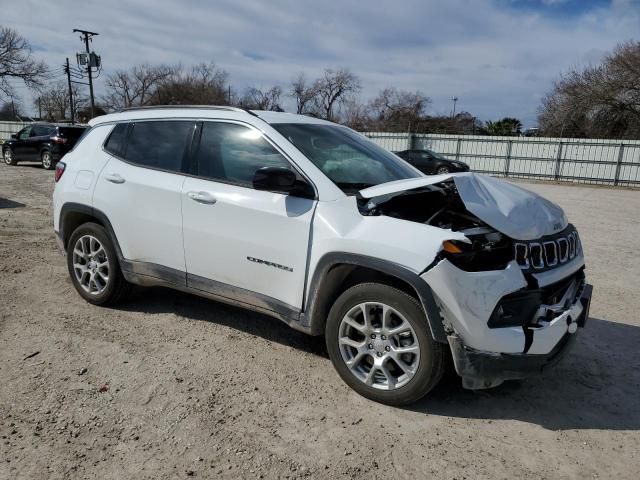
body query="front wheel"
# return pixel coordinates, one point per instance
(379, 342)
(442, 170)
(9, 159)
(93, 265)
(47, 160)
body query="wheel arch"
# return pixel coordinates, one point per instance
(337, 271)
(72, 215)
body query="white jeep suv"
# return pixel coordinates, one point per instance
(312, 223)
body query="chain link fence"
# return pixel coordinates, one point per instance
(594, 161)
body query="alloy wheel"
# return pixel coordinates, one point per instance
(379, 345)
(8, 156)
(91, 265)
(442, 170)
(46, 160)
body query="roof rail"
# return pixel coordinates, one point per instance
(200, 107)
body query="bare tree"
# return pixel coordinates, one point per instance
(395, 109)
(137, 86)
(598, 101)
(257, 99)
(333, 89)
(17, 62)
(54, 102)
(356, 115)
(11, 110)
(203, 84)
(304, 93)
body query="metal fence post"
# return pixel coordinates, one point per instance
(556, 175)
(411, 143)
(458, 148)
(508, 159)
(616, 179)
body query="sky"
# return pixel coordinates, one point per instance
(499, 57)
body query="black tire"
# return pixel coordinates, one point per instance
(47, 160)
(116, 287)
(431, 365)
(8, 156)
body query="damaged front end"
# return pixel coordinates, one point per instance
(512, 293)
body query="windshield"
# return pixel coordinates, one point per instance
(349, 160)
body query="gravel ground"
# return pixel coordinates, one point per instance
(173, 386)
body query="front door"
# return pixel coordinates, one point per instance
(21, 145)
(239, 242)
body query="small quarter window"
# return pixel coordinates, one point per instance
(116, 142)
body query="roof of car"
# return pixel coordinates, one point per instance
(203, 111)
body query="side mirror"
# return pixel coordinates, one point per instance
(14, 136)
(275, 179)
(281, 180)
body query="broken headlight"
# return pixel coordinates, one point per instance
(486, 251)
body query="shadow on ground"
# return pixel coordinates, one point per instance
(597, 386)
(6, 203)
(161, 300)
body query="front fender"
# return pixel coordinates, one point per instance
(316, 310)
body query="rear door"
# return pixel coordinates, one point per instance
(39, 136)
(139, 190)
(239, 242)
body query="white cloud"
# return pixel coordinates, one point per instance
(498, 60)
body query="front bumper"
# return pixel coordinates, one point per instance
(539, 326)
(480, 369)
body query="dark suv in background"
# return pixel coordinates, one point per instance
(42, 142)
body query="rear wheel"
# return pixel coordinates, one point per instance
(442, 169)
(47, 160)
(9, 159)
(93, 266)
(379, 342)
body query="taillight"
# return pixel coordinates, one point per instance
(59, 140)
(59, 170)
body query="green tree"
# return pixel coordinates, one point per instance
(506, 127)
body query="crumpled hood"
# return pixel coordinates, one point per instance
(510, 209)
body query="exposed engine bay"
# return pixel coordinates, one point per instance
(440, 205)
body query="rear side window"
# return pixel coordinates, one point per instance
(41, 131)
(232, 153)
(159, 144)
(116, 142)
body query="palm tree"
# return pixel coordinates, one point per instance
(506, 127)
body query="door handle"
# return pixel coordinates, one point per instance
(202, 197)
(114, 178)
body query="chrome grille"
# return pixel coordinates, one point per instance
(549, 251)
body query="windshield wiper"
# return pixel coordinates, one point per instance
(353, 186)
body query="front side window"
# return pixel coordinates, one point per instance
(232, 153)
(24, 133)
(158, 144)
(349, 160)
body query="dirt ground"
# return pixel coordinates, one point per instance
(172, 386)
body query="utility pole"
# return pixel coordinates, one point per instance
(455, 100)
(39, 108)
(67, 70)
(86, 36)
